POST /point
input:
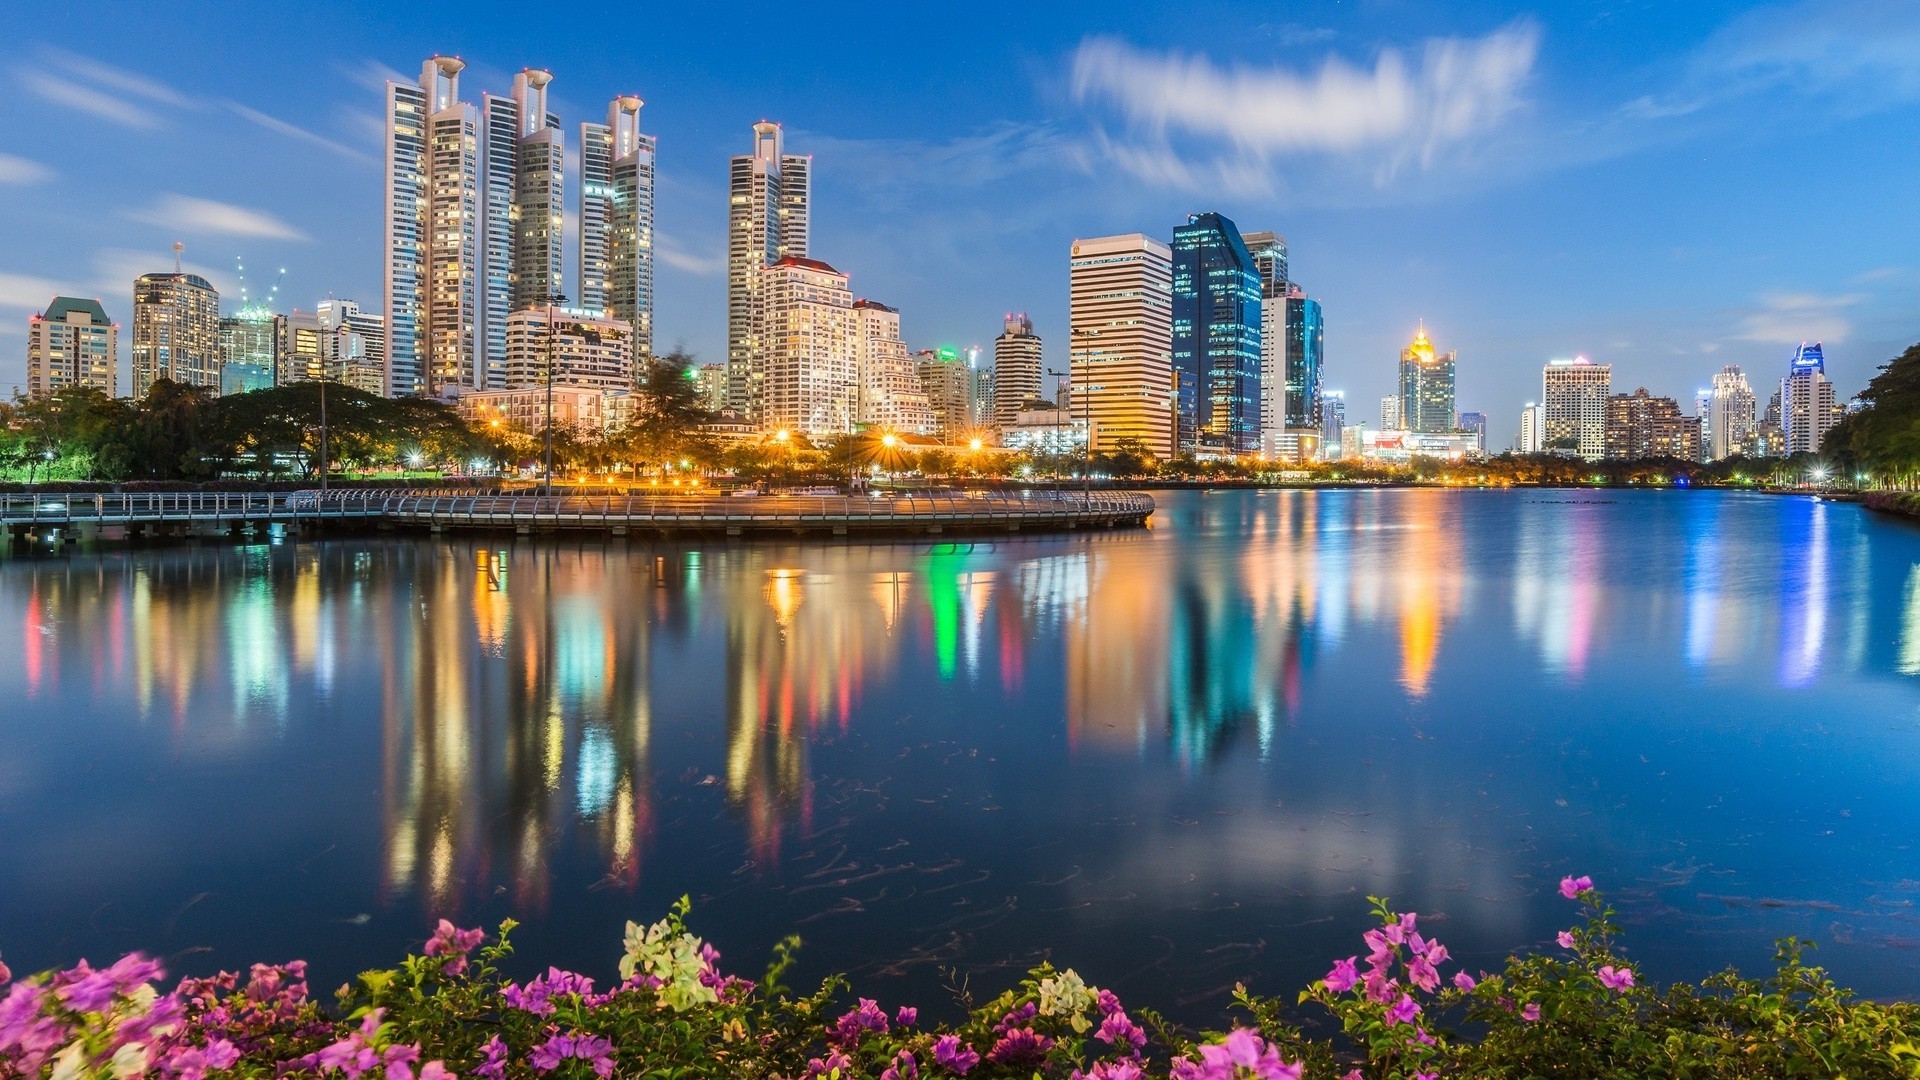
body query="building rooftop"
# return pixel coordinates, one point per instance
(58, 310)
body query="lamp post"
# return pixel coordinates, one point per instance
(1060, 442)
(553, 299)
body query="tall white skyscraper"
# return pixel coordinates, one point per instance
(616, 220)
(890, 396)
(72, 343)
(768, 197)
(432, 235)
(1017, 369)
(523, 164)
(176, 331)
(810, 366)
(1807, 405)
(1730, 414)
(1533, 428)
(1390, 413)
(1574, 397)
(1269, 250)
(1120, 333)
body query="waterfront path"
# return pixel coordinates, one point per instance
(616, 514)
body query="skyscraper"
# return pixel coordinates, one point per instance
(768, 197)
(1269, 251)
(249, 350)
(1533, 428)
(1392, 416)
(1333, 421)
(432, 233)
(176, 331)
(1807, 406)
(616, 220)
(1120, 325)
(1730, 414)
(890, 395)
(1216, 338)
(523, 165)
(1426, 386)
(585, 348)
(1475, 422)
(1017, 369)
(1574, 393)
(1640, 425)
(1300, 393)
(72, 343)
(809, 370)
(948, 384)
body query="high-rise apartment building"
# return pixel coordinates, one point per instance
(364, 354)
(585, 348)
(982, 390)
(1426, 386)
(1730, 414)
(176, 331)
(712, 381)
(72, 343)
(1533, 429)
(809, 371)
(1574, 396)
(249, 350)
(1120, 325)
(1391, 413)
(523, 171)
(1216, 338)
(1304, 340)
(1017, 369)
(1640, 425)
(433, 233)
(616, 221)
(1269, 251)
(890, 395)
(1808, 409)
(769, 192)
(947, 382)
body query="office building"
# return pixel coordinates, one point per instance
(362, 351)
(1640, 425)
(1533, 429)
(890, 395)
(1574, 395)
(249, 350)
(432, 233)
(585, 348)
(981, 417)
(1269, 251)
(176, 331)
(1216, 338)
(616, 221)
(1017, 369)
(72, 343)
(1808, 409)
(809, 371)
(1333, 421)
(1045, 430)
(523, 193)
(1120, 330)
(1730, 414)
(1426, 387)
(947, 382)
(1474, 423)
(584, 410)
(1300, 413)
(712, 381)
(1390, 414)
(768, 197)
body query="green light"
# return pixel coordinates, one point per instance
(949, 354)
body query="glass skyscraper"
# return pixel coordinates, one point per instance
(1216, 338)
(1305, 337)
(1426, 387)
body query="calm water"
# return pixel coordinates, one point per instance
(1176, 758)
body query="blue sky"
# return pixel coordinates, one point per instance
(1665, 187)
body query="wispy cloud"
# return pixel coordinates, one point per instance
(1790, 318)
(117, 79)
(19, 170)
(110, 93)
(295, 131)
(371, 75)
(203, 217)
(24, 292)
(1237, 120)
(87, 99)
(671, 253)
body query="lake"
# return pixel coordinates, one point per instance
(1173, 758)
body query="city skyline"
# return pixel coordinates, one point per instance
(1738, 271)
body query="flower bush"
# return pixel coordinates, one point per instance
(1403, 1010)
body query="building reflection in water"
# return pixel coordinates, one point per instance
(516, 688)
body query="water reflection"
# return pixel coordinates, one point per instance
(534, 701)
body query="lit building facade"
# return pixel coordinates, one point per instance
(769, 192)
(176, 331)
(1730, 415)
(1808, 409)
(1333, 421)
(1426, 387)
(1300, 395)
(947, 382)
(1018, 368)
(810, 378)
(616, 221)
(1640, 425)
(1269, 252)
(712, 381)
(1574, 396)
(1474, 423)
(1533, 429)
(362, 351)
(523, 169)
(1120, 321)
(1048, 431)
(890, 395)
(586, 349)
(1390, 414)
(583, 409)
(431, 232)
(72, 343)
(1216, 338)
(249, 351)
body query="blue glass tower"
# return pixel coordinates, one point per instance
(1216, 338)
(1305, 336)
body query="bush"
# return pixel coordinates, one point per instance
(1581, 1011)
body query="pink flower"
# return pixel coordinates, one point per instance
(1112, 1070)
(1343, 976)
(493, 1064)
(592, 1049)
(1565, 938)
(1618, 979)
(1423, 975)
(450, 940)
(1571, 887)
(1241, 1049)
(836, 1064)
(857, 1021)
(1118, 1028)
(904, 1067)
(6, 976)
(1020, 1047)
(1464, 981)
(1437, 953)
(907, 1016)
(1404, 1010)
(1531, 1012)
(954, 1056)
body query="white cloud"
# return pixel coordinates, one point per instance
(24, 292)
(1402, 109)
(201, 217)
(372, 75)
(274, 123)
(1791, 318)
(119, 79)
(19, 170)
(681, 259)
(87, 99)
(115, 268)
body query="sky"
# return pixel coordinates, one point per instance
(1664, 187)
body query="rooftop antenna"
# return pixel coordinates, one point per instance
(178, 247)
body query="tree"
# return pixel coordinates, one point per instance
(668, 414)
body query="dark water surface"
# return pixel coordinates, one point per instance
(1173, 758)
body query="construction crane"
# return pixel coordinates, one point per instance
(273, 291)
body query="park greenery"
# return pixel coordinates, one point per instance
(1403, 1011)
(181, 434)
